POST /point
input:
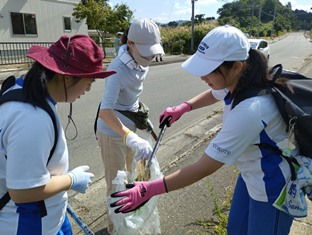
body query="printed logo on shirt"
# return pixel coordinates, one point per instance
(221, 150)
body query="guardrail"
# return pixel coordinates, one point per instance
(15, 53)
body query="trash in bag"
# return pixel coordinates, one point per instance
(145, 220)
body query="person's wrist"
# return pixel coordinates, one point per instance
(70, 175)
(157, 186)
(186, 107)
(126, 135)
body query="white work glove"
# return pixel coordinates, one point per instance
(142, 148)
(80, 179)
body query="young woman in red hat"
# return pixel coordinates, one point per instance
(36, 184)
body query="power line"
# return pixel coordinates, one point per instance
(171, 9)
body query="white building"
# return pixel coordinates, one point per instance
(38, 20)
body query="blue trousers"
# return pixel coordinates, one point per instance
(66, 228)
(250, 217)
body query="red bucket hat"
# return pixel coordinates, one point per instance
(77, 56)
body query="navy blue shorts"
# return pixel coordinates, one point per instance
(250, 217)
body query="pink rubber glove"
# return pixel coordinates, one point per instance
(175, 112)
(137, 194)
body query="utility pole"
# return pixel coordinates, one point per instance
(310, 31)
(273, 22)
(192, 38)
(259, 20)
(252, 16)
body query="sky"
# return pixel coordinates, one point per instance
(164, 11)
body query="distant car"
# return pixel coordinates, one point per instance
(261, 45)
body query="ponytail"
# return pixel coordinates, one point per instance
(35, 84)
(255, 72)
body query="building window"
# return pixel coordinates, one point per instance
(67, 24)
(23, 23)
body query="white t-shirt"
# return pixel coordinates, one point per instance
(26, 138)
(253, 121)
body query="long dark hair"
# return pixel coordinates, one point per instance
(35, 84)
(255, 72)
(124, 37)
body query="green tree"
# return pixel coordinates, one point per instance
(101, 16)
(173, 24)
(236, 13)
(250, 15)
(199, 18)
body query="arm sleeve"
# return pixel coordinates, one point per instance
(112, 89)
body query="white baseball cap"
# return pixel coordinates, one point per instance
(146, 36)
(223, 43)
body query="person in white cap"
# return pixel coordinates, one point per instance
(117, 41)
(116, 132)
(225, 61)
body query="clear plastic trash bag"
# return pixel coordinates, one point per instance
(145, 220)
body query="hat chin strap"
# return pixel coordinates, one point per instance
(70, 119)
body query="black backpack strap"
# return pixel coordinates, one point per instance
(4, 200)
(13, 95)
(278, 71)
(7, 83)
(290, 160)
(45, 106)
(96, 118)
(275, 72)
(248, 93)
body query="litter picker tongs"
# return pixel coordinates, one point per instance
(163, 126)
(150, 129)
